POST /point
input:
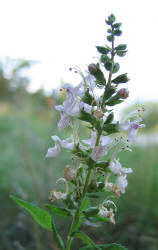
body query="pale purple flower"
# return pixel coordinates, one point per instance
(121, 183)
(104, 140)
(67, 143)
(52, 152)
(116, 168)
(98, 152)
(90, 81)
(64, 121)
(87, 108)
(132, 128)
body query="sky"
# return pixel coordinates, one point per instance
(63, 33)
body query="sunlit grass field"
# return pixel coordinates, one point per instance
(25, 136)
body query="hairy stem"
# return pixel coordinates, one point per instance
(77, 214)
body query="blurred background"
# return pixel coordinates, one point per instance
(40, 40)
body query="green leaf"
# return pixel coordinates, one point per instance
(104, 58)
(108, 93)
(121, 47)
(88, 98)
(110, 20)
(84, 116)
(102, 164)
(95, 70)
(79, 222)
(110, 118)
(121, 53)
(109, 38)
(117, 25)
(42, 217)
(91, 211)
(93, 195)
(112, 246)
(97, 218)
(120, 79)
(57, 236)
(85, 239)
(111, 128)
(85, 204)
(115, 68)
(108, 64)
(103, 50)
(117, 32)
(114, 100)
(63, 212)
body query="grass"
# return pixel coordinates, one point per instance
(24, 171)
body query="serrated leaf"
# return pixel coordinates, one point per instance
(115, 68)
(103, 50)
(42, 217)
(111, 246)
(121, 53)
(120, 79)
(85, 239)
(63, 212)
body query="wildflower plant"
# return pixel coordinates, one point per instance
(95, 159)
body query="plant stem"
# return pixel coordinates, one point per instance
(112, 58)
(77, 214)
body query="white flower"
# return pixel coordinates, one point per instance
(98, 152)
(67, 143)
(104, 140)
(104, 212)
(116, 168)
(52, 152)
(90, 81)
(87, 108)
(132, 128)
(121, 183)
(64, 121)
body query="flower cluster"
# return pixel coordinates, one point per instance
(96, 157)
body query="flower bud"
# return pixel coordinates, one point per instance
(98, 114)
(123, 93)
(56, 195)
(93, 69)
(69, 173)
